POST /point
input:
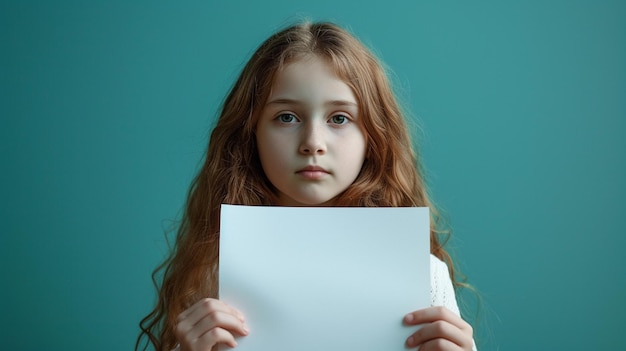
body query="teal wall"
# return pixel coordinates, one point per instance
(106, 109)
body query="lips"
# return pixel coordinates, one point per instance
(312, 172)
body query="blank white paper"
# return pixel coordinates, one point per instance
(330, 278)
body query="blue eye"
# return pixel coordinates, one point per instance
(287, 118)
(339, 119)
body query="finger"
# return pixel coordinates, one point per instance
(213, 337)
(438, 332)
(432, 314)
(217, 320)
(210, 304)
(209, 339)
(439, 345)
(203, 307)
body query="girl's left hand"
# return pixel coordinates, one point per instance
(441, 329)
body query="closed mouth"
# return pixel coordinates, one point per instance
(312, 169)
(312, 172)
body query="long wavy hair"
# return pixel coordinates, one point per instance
(232, 173)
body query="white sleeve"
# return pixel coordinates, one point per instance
(441, 289)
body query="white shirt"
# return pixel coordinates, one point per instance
(441, 288)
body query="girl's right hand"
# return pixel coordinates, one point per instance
(207, 323)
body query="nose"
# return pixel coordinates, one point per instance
(313, 141)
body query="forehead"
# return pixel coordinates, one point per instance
(310, 78)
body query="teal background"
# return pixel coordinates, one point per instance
(106, 109)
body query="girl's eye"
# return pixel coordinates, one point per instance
(339, 119)
(287, 118)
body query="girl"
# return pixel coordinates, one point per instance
(311, 121)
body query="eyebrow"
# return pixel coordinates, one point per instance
(284, 101)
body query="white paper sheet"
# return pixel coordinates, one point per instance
(324, 278)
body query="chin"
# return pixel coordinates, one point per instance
(307, 202)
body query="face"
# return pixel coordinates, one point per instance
(309, 136)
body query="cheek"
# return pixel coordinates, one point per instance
(354, 152)
(363, 156)
(270, 148)
(361, 147)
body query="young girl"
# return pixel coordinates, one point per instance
(311, 121)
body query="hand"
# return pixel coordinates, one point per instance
(207, 323)
(441, 329)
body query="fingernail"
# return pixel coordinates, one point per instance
(408, 318)
(410, 341)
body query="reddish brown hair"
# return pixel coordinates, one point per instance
(232, 173)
